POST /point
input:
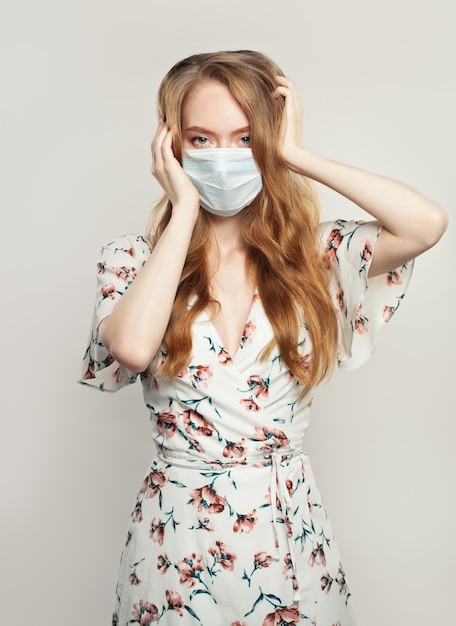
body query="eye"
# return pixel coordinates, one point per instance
(245, 141)
(199, 141)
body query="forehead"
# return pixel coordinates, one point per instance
(212, 102)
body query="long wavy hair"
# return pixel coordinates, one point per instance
(280, 228)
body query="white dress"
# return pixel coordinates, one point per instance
(228, 527)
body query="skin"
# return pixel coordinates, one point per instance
(212, 118)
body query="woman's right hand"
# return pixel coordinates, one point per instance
(169, 173)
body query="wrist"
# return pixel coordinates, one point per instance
(301, 161)
(185, 212)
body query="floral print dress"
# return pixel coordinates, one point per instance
(228, 527)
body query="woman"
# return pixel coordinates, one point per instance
(236, 305)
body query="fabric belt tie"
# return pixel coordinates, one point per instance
(280, 473)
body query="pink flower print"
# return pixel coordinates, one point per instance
(189, 569)
(317, 556)
(153, 483)
(274, 437)
(247, 334)
(245, 523)
(223, 556)
(108, 291)
(367, 251)
(326, 581)
(340, 300)
(206, 499)
(205, 524)
(163, 563)
(133, 579)
(194, 444)
(282, 617)
(262, 559)
(258, 386)
(234, 449)
(289, 486)
(250, 405)
(126, 272)
(333, 242)
(267, 500)
(305, 361)
(131, 251)
(175, 602)
(157, 531)
(288, 571)
(166, 423)
(224, 358)
(388, 313)
(145, 613)
(90, 371)
(288, 527)
(393, 278)
(238, 623)
(361, 321)
(197, 424)
(200, 375)
(101, 268)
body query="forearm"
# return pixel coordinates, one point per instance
(135, 329)
(400, 208)
(412, 222)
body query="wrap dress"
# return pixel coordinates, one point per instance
(228, 527)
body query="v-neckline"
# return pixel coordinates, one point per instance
(216, 334)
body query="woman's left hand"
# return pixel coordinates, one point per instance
(291, 129)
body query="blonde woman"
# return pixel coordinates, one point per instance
(235, 305)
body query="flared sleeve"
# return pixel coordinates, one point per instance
(118, 265)
(364, 305)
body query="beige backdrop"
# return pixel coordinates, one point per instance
(77, 113)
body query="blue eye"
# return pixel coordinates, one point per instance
(199, 141)
(245, 140)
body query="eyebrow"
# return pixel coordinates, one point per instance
(205, 131)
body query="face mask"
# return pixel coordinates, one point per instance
(227, 179)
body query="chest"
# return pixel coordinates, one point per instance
(231, 316)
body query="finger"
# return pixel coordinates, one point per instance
(281, 92)
(157, 133)
(156, 146)
(167, 143)
(286, 82)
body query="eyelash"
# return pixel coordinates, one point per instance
(197, 140)
(202, 141)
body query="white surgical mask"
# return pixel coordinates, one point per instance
(227, 179)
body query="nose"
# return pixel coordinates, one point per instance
(225, 142)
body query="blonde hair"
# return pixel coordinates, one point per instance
(280, 228)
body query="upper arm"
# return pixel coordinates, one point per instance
(391, 252)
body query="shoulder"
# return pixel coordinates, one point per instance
(131, 244)
(127, 250)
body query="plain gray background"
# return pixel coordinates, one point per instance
(77, 114)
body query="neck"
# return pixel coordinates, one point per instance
(226, 233)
